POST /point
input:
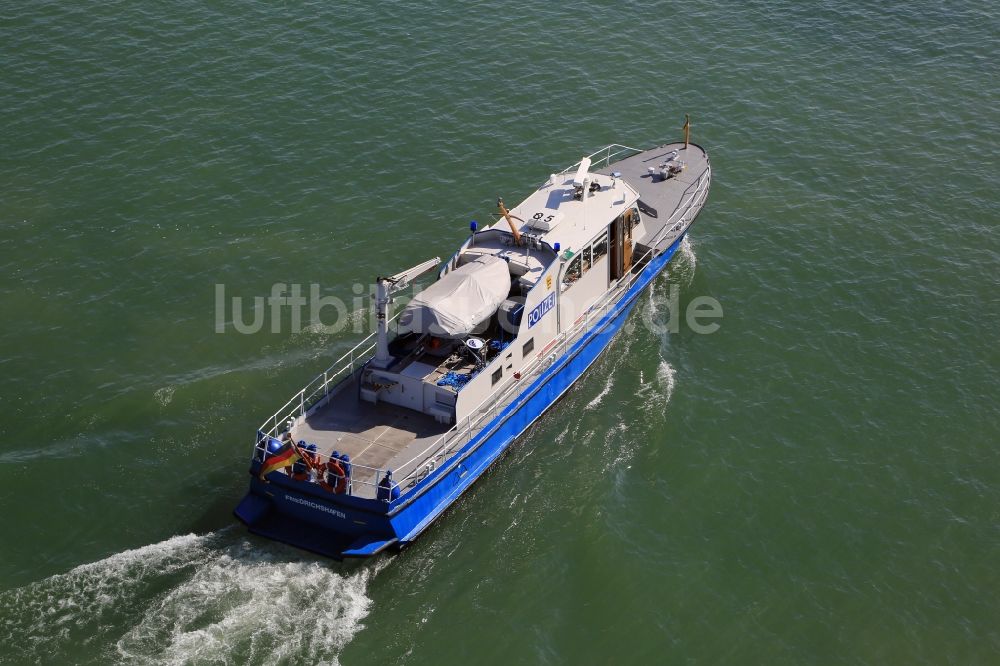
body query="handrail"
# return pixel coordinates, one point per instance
(260, 450)
(606, 159)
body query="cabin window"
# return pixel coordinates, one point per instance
(635, 217)
(600, 248)
(497, 375)
(585, 256)
(573, 271)
(529, 347)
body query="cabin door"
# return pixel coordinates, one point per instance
(629, 222)
(615, 252)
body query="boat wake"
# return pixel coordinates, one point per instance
(665, 380)
(609, 383)
(662, 389)
(596, 402)
(164, 395)
(211, 598)
(685, 262)
(655, 392)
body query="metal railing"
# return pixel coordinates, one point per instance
(606, 159)
(363, 480)
(699, 193)
(313, 392)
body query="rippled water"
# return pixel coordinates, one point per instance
(815, 482)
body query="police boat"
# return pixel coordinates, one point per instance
(378, 445)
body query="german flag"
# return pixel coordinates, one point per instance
(286, 456)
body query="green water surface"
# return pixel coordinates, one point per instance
(813, 483)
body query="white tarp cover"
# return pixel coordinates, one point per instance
(454, 305)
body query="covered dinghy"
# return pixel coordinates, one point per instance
(454, 305)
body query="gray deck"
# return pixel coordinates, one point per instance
(664, 196)
(375, 436)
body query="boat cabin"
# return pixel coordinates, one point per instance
(506, 294)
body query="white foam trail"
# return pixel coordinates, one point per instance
(682, 268)
(686, 250)
(652, 298)
(615, 363)
(666, 376)
(619, 448)
(45, 619)
(165, 395)
(604, 391)
(656, 394)
(252, 606)
(191, 599)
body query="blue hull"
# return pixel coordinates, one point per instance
(341, 526)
